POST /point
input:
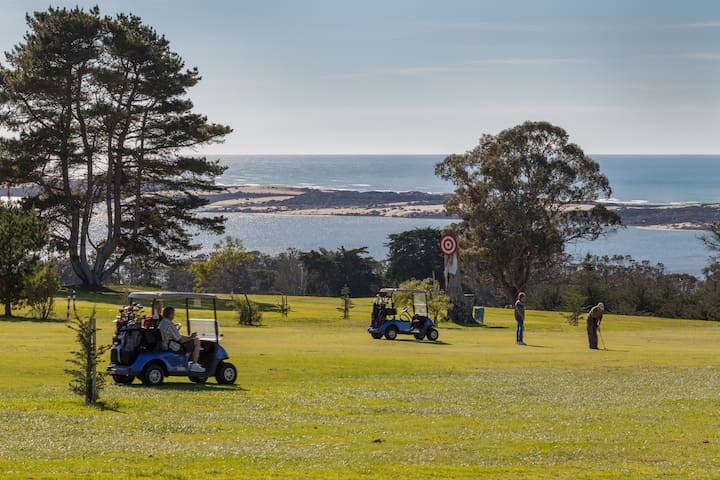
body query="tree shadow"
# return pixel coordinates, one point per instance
(15, 319)
(108, 406)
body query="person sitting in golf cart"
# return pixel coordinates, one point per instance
(169, 333)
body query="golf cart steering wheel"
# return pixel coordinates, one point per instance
(404, 313)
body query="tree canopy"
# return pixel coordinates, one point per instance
(414, 254)
(224, 269)
(521, 195)
(102, 125)
(22, 236)
(328, 272)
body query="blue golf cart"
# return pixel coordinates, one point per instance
(137, 351)
(411, 319)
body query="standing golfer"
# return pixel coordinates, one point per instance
(593, 324)
(520, 318)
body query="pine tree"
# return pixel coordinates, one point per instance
(102, 124)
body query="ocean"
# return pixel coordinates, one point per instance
(658, 179)
(635, 179)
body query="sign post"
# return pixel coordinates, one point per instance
(453, 279)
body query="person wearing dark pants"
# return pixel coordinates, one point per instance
(520, 318)
(593, 324)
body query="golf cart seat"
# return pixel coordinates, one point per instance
(390, 312)
(151, 338)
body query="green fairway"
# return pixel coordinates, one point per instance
(317, 397)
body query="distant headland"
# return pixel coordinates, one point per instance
(309, 201)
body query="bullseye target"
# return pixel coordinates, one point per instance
(448, 244)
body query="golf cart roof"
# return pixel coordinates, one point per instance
(168, 295)
(387, 291)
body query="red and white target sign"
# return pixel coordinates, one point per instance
(448, 244)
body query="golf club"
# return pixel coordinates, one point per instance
(601, 339)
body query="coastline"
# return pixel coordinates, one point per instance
(280, 199)
(284, 200)
(298, 201)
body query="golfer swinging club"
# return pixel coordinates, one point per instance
(593, 324)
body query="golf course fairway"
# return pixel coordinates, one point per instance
(317, 397)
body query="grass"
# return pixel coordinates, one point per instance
(318, 398)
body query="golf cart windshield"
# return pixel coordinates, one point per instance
(420, 304)
(403, 297)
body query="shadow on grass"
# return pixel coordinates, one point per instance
(425, 342)
(537, 346)
(109, 406)
(31, 319)
(480, 325)
(189, 387)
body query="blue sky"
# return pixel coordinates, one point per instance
(388, 76)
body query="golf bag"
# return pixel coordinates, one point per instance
(129, 342)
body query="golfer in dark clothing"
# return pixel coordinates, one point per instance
(520, 318)
(593, 324)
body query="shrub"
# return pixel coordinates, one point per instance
(86, 381)
(346, 304)
(438, 303)
(248, 311)
(40, 289)
(576, 305)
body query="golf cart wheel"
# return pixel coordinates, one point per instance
(433, 334)
(198, 379)
(153, 375)
(123, 379)
(391, 333)
(377, 335)
(226, 373)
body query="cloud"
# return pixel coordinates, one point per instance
(702, 56)
(403, 71)
(532, 61)
(473, 66)
(699, 25)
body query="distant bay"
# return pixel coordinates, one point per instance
(635, 179)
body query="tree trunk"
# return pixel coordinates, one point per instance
(8, 310)
(462, 309)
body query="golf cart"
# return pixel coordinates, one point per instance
(137, 351)
(412, 319)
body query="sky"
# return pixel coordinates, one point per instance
(400, 76)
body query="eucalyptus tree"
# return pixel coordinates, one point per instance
(520, 196)
(102, 125)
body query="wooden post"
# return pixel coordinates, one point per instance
(461, 311)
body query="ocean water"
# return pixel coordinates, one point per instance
(654, 179)
(659, 179)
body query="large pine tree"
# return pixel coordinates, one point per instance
(102, 127)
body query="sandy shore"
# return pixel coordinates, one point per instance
(305, 201)
(280, 199)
